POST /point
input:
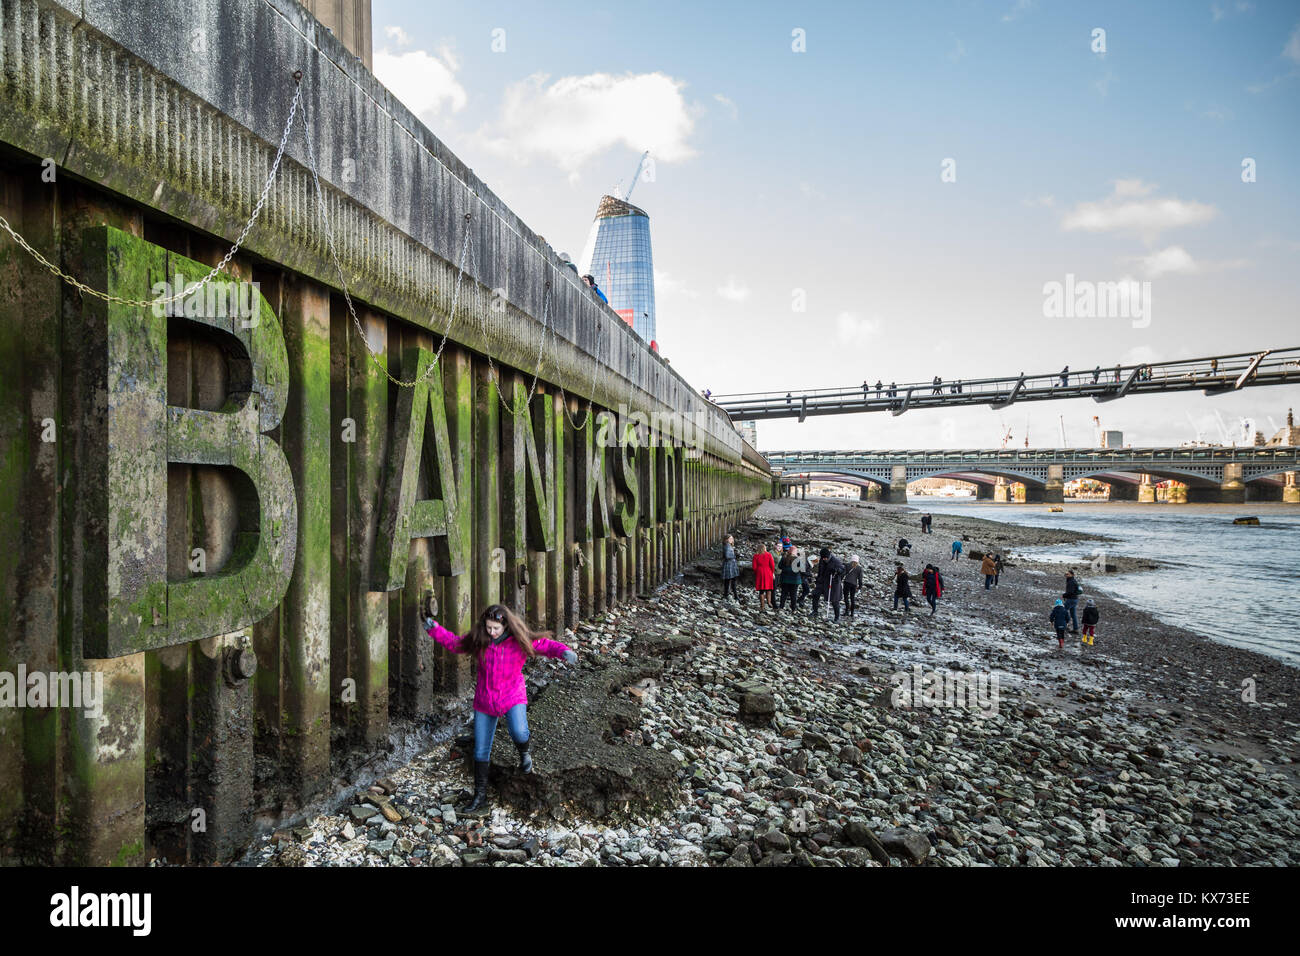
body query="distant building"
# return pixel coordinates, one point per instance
(618, 256)
(1112, 439)
(749, 432)
(349, 20)
(1290, 435)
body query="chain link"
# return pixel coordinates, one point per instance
(163, 300)
(329, 235)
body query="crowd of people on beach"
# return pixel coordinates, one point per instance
(785, 577)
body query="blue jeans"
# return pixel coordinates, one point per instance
(906, 602)
(988, 581)
(1070, 605)
(485, 729)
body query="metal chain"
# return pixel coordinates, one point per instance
(329, 234)
(162, 300)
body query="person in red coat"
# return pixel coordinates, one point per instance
(764, 577)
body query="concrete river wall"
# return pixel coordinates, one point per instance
(221, 519)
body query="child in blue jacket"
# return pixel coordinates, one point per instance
(1060, 619)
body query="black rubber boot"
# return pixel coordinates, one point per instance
(480, 786)
(525, 757)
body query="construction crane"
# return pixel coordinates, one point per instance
(1006, 434)
(1064, 443)
(627, 196)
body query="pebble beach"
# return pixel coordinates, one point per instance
(794, 741)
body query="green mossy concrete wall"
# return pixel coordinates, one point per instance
(328, 517)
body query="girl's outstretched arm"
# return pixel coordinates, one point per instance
(446, 638)
(549, 648)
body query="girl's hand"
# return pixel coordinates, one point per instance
(429, 623)
(570, 657)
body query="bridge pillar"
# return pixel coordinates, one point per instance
(1002, 492)
(864, 493)
(1054, 490)
(984, 492)
(897, 494)
(1122, 491)
(1291, 491)
(1146, 492)
(1231, 491)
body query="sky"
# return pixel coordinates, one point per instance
(849, 191)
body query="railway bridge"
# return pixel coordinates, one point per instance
(1211, 474)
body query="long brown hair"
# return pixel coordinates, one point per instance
(479, 639)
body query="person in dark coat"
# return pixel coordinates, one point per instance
(730, 569)
(902, 589)
(1090, 618)
(830, 582)
(852, 581)
(788, 578)
(803, 567)
(931, 586)
(1071, 600)
(997, 568)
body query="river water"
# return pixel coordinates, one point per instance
(1234, 583)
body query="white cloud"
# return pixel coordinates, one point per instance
(422, 81)
(576, 118)
(1173, 259)
(1047, 201)
(1292, 49)
(854, 329)
(1021, 6)
(397, 35)
(728, 104)
(667, 285)
(1125, 211)
(733, 291)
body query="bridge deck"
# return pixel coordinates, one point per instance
(1213, 375)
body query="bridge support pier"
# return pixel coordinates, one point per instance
(1231, 491)
(1291, 491)
(897, 494)
(1146, 492)
(984, 492)
(864, 493)
(1054, 490)
(1002, 493)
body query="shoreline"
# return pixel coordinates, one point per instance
(1141, 753)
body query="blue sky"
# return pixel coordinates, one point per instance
(816, 175)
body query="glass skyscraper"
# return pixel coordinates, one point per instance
(617, 256)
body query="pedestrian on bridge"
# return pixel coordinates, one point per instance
(878, 384)
(938, 386)
(902, 589)
(764, 566)
(956, 549)
(1117, 374)
(931, 586)
(730, 569)
(852, 582)
(866, 390)
(787, 398)
(988, 568)
(1096, 374)
(893, 390)
(1065, 377)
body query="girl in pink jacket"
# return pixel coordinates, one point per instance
(500, 642)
